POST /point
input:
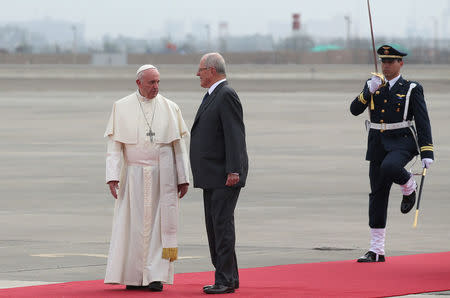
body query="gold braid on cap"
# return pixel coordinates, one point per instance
(390, 56)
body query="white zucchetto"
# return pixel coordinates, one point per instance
(145, 67)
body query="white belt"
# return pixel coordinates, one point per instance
(390, 126)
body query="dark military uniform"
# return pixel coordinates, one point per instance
(389, 150)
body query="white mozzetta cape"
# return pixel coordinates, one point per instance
(168, 124)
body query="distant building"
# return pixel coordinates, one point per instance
(250, 43)
(115, 59)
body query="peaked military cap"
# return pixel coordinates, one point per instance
(388, 52)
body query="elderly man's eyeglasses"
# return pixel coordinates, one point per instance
(202, 68)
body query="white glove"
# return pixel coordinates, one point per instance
(426, 162)
(374, 83)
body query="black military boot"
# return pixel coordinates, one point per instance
(408, 202)
(371, 257)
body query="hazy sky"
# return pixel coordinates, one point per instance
(144, 18)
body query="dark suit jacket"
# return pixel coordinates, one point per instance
(389, 108)
(218, 140)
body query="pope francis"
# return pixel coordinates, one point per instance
(147, 172)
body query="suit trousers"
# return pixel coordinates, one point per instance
(382, 174)
(219, 206)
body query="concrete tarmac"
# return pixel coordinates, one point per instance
(307, 193)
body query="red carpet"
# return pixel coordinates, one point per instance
(398, 276)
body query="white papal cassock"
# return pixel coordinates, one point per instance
(143, 241)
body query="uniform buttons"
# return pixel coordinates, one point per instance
(398, 109)
(381, 130)
(385, 101)
(382, 111)
(399, 104)
(381, 121)
(378, 92)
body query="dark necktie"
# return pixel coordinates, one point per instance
(200, 108)
(205, 97)
(204, 100)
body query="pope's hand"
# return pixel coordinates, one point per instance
(113, 187)
(374, 83)
(182, 189)
(426, 162)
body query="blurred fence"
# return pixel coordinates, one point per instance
(352, 56)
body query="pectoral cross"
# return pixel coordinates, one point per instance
(150, 134)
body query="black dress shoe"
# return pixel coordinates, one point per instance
(155, 286)
(218, 289)
(371, 257)
(236, 285)
(129, 287)
(408, 202)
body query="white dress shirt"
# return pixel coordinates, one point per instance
(393, 81)
(211, 89)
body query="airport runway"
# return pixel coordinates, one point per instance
(307, 193)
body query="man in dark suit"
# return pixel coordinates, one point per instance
(395, 104)
(219, 166)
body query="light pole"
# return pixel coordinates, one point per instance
(436, 40)
(348, 22)
(208, 36)
(74, 44)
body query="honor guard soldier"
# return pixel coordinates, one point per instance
(399, 129)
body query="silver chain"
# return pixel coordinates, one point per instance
(143, 113)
